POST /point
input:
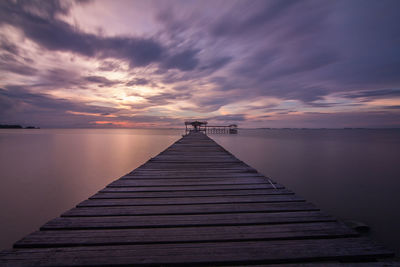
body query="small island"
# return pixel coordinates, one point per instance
(16, 126)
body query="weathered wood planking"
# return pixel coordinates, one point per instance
(209, 253)
(176, 194)
(189, 188)
(204, 176)
(189, 200)
(189, 209)
(184, 234)
(188, 181)
(193, 204)
(151, 221)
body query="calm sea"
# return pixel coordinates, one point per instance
(351, 174)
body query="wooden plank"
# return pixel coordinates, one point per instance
(190, 188)
(63, 238)
(188, 182)
(189, 200)
(271, 251)
(196, 161)
(204, 165)
(191, 171)
(194, 169)
(151, 221)
(190, 209)
(196, 158)
(194, 176)
(194, 166)
(193, 154)
(210, 193)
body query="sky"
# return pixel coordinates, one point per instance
(134, 64)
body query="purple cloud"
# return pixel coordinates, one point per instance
(304, 55)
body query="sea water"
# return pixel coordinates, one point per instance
(352, 174)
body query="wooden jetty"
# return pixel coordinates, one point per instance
(193, 204)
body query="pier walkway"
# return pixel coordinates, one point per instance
(193, 204)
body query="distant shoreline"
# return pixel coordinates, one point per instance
(16, 126)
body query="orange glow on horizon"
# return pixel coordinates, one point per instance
(125, 124)
(91, 114)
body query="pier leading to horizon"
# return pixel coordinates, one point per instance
(204, 127)
(193, 204)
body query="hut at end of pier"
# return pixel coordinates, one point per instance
(202, 126)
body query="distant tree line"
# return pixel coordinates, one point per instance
(16, 126)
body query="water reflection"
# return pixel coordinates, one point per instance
(351, 174)
(46, 172)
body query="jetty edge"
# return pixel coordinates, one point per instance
(194, 204)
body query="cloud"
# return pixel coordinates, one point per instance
(185, 60)
(165, 98)
(6, 45)
(100, 80)
(138, 81)
(19, 97)
(216, 64)
(229, 118)
(108, 65)
(139, 51)
(213, 102)
(393, 107)
(12, 64)
(201, 59)
(262, 13)
(60, 78)
(40, 24)
(307, 94)
(306, 45)
(380, 93)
